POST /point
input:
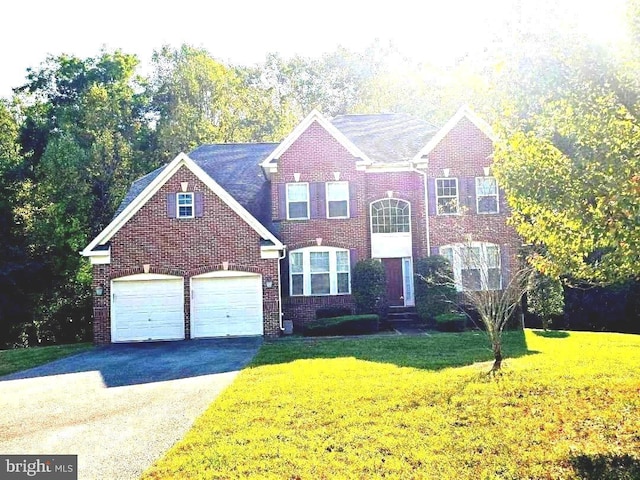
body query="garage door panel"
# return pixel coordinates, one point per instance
(147, 310)
(226, 306)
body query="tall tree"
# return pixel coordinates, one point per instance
(85, 137)
(199, 100)
(571, 174)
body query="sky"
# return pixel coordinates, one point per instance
(244, 31)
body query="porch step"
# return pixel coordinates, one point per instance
(403, 316)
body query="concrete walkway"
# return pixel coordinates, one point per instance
(118, 408)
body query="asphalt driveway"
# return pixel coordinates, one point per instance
(118, 408)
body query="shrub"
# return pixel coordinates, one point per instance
(369, 287)
(331, 312)
(451, 322)
(545, 297)
(347, 325)
(435, 293)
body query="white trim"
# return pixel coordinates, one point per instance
(286, 196)
(389, 167)
(407, 263)
(314, 116)
(157, 183)
(192, 205)
(146, 276)
(457, 212)
(482, 263)
(306, 271)
(326, 200)
(225, 273)
(388, 233)
(497, 195)
(463, 112)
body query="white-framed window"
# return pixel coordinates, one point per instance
(390, 215)
(476, 266)
(337, 194)
(319, 271)
(487, 194)
(185, 205)
(447, 196)
(297, 201)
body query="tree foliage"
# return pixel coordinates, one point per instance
(545, 297)
(571, 177)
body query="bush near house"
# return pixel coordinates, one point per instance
(332, 312)
(435, 293)
(347, 325)
(369, 287)
(451, 322)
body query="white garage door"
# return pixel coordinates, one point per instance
(229, 305)
(147, 307)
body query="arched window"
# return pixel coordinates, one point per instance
(390, 215)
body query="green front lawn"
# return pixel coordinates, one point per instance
(566, 406)
(22, 358)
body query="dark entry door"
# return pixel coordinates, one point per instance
(393, 271)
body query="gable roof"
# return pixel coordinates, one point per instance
(388, 137)
(314, 116)
(145, 187)
(463, 112)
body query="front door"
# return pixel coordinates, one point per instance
(393, 272)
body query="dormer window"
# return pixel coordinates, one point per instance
(185, 205)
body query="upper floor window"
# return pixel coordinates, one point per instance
(297, 201)
(337, 199)
(390, 215)
(476, 266)
(447, 196)
(185, 205)
(319, 271)
(487, 194)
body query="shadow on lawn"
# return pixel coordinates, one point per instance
(551, 334)
(606, 467)
(432, 352)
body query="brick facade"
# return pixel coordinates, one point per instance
(316, 154)
(184, 247)
(188, 247)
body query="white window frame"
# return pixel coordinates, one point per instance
(454, 253)
(327, 199)
(306, 184)
(457, 196)
(492, 195)
(372, 216)
(191, 204)
(306, 271)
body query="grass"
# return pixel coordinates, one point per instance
(18, 359)
(564, 407)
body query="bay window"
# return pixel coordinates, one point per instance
(319, 271)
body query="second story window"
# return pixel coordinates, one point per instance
(297, 201)
(185, 205)
(390, 215)
(447, 196)
(337, 199)
(487, 194)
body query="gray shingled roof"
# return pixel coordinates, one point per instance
(391, 137)
(388, 137)
(235, 167)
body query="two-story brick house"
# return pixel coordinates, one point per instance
(235, 238)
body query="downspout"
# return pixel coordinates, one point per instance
(426, 206)
(284, 254)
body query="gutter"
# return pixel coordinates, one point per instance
(280, 315)
(426, 204)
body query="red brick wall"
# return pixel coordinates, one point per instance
(185, 247)
(465, 151)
